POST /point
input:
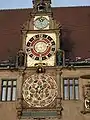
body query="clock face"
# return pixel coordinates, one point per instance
(41, 23)
(40, 47)
(39, 90)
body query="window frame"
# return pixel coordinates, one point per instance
(74, 85)
(7, 89)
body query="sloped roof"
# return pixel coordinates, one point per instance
(75, 23)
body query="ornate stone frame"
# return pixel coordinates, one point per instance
(86, 95)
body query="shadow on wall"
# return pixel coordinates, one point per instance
(67, 44)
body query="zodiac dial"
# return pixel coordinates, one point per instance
(39, 90)
(40, 47)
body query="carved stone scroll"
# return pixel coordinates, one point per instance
(86, 96)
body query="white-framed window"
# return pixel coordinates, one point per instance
(70, 89)
(8, 90)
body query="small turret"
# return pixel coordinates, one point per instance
(41, 6)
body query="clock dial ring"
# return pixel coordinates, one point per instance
(40, 47)
(44, 51)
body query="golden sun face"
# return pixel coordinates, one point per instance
(40, 47)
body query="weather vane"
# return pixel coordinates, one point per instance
(33, 1)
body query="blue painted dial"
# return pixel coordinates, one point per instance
(41, 23)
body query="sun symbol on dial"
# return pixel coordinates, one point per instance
(40, 47)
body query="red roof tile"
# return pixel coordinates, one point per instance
(75, 23)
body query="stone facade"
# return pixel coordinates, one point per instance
(71, 108)
(47, 88)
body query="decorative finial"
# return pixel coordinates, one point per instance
(41, 1)
(33, 1)
(41, 5)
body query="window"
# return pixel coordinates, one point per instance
(70, 88)
(8, 90)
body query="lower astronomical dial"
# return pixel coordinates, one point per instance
(39, 90)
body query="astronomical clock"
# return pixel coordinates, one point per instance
(40, 44)
(40, 90)
(41, 48)
(41, 36)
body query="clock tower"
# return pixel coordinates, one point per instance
(41, 37)
(40, 91)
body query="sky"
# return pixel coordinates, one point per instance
(14, 4)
